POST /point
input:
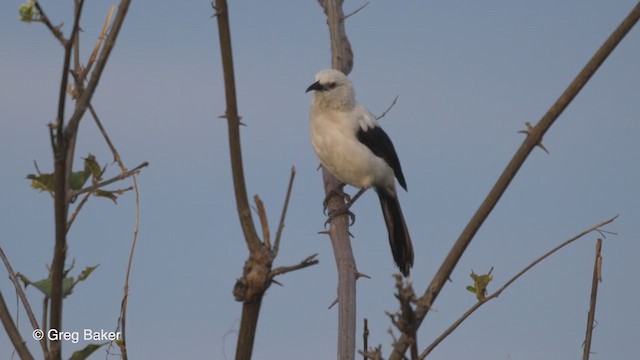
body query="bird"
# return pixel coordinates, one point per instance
(352, 146)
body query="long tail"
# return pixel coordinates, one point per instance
(399, 238)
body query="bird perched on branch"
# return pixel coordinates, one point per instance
(353, 147)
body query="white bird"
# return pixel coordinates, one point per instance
(354, 148)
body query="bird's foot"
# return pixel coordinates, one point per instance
(339, 212)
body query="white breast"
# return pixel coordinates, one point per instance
(333, 135)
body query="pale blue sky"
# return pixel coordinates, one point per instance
(468, 76)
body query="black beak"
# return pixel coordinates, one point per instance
(315, 86)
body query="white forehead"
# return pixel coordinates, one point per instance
(330, 75)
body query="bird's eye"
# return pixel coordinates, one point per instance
(331, 85)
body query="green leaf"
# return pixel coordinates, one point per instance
(28, 12)
(86, 272)
(87, 351)
(44, 286)
(42, 182)
(92, 167)
(480, 283)
(78, 179)
(106, 194)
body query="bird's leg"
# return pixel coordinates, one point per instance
(345, 209)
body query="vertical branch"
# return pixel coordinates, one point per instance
(61, 202)
(251, 287)
(534, 137)
(242, 201)
(341, 59)
(597, 272)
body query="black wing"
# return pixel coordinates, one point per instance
(379, 143)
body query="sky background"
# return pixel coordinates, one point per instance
(468, 76)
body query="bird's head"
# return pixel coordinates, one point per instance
(333, 89)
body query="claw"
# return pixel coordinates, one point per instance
(339, 212)
(335, 192)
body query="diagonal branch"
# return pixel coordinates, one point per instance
(23, 299)
(283, 214)
(510, 171)
(123, 175)
(477, 305)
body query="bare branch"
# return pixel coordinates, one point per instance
(512, 168)
(311, 260)
(355, 11)
(55, 30)
(597, 276)
(262, 214)
(123, 175)
(23, 299)
(388, 109)
(76, 211)
(477, 305)
(283, 214)
(341, 59)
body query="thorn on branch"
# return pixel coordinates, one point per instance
(354, 11)
(528, 133)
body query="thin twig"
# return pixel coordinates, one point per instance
(18, 342)
(23, 298)
(264, 222)
(597, 277)
(283, 214)
(76, 211)
(116, 155)
(365, 339)
(388, 109)
(125, 298)
(309, 261)
(535, 136)
(451, 328)
(103, 34)
(121, 176)
(55, 30)
(355, 11)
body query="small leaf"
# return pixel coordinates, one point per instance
(87, 351)
(107, 194)
(480, 283)
(28, 12)
(42, 182)
(44, 286)
(78, 178)
(471, 288)
(86, 272)
(92, 167)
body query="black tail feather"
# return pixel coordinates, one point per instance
(399, 238)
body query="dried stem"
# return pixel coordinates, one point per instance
(534, 137)
(283, 214)
(23, 299)
(477, 305)
(597, 277)
(341, 59)
(124, 175)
